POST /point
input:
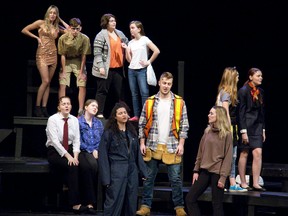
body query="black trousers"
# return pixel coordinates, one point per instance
(115, 81)
(68, 174)
(88, 177)
(204, 180)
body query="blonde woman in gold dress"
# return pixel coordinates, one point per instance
(46, 54)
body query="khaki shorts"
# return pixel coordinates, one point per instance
(72, 66)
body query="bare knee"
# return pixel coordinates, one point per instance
(46, 82)
(244, 154)
(257, 153)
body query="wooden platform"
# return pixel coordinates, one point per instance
(24, 165)
(273, 171)
(19, 123)
(252, 200)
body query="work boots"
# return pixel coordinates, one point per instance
(143, 211)
(180, 212)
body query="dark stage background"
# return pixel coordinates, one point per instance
(207, 35)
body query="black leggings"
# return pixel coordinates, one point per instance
(204, 180)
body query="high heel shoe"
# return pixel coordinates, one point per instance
(261, 189)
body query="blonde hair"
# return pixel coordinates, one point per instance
(222, 122)
(166, 75)
(228, 84)
(46, 18)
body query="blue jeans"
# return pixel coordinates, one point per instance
(233, 166)
(174, 174)
(138, 84)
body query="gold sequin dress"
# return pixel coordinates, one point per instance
(47, 52)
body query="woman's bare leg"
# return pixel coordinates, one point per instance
(242, 167)
(256, 166)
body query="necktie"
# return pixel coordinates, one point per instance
(65, 134)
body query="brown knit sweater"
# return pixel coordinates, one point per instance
(215, 154)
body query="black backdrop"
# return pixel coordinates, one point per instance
(206, 35)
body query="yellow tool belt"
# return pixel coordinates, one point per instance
(162, 154)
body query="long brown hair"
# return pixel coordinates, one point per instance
(139, 25)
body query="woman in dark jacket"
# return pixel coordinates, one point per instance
(251, 127)
(120, 162)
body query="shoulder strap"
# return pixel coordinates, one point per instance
(178, 106)
(149, 114)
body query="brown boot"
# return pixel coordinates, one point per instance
(180, 212)
(143, 211)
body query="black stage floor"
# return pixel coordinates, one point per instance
(22, 213)
(265, 212)
(162, 209)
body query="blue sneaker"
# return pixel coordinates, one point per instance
(237, 188)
